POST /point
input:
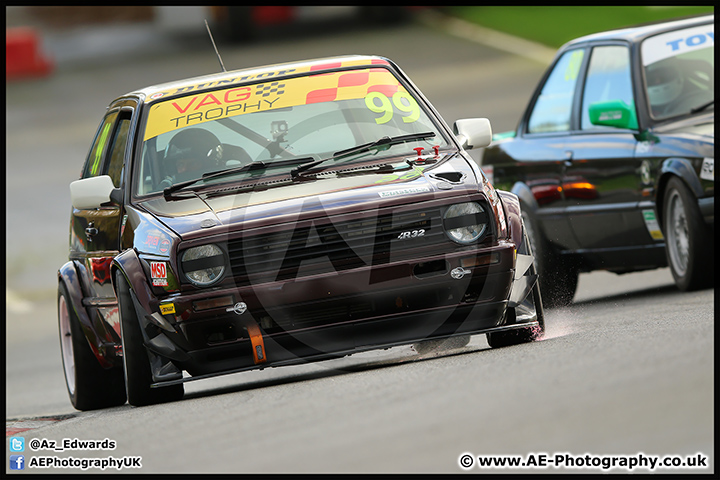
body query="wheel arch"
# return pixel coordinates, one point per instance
(675, 167)
(129, 265)
(69, 276)
(511, 203)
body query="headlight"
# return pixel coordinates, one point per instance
(465, 222)
(203, 265)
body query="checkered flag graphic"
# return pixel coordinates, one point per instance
(266, 90)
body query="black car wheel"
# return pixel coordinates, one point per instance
(89, 385)
(531, 307)
(136, 357)
(558, 275)
(689, 251)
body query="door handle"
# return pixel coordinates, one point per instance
(90, 231)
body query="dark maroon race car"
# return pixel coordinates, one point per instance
(278, 215)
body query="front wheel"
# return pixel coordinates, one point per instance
(521, 335)
(89, 385)
(687, 243)
(530, 308)
(136, 358)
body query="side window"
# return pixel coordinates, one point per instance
(608, 78)
(553, 107)
(117, 150)
(94, 160)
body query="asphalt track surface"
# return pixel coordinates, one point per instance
(626, 370)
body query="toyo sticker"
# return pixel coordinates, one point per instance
(677, 42)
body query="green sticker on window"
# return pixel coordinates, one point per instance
(98, 151)
(573, 67)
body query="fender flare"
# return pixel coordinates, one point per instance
(68, 275)
(511, 202)
(681, 168)
(129, 265)
(144, 300)
(525, 276)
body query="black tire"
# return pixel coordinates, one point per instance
(558, 274)
(533, 302)
(688, 243)
(136, 358)
(89, 385)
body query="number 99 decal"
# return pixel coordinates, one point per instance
(402, 101)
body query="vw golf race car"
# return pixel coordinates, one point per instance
(284, 214)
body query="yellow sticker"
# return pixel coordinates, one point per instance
(167, 308)
(324, 87)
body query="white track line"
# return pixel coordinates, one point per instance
(491, 38)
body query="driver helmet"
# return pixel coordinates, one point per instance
(192, 152)
(664, 84)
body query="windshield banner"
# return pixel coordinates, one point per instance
(675, 43)
(238, 100)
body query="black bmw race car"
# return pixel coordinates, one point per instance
(614, 157)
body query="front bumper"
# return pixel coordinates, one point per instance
(325, 316)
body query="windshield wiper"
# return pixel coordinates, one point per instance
(702, 107)
(257, 165)
(381, 144)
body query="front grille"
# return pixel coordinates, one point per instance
(325, 246)
(355, 308)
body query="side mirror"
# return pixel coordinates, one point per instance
(88, 193)
(473, 132)
(614, 113)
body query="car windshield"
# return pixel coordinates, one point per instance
(679, 70)
(278, 125)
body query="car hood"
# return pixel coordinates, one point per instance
(331, 192)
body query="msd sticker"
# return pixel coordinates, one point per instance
(158, 272)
